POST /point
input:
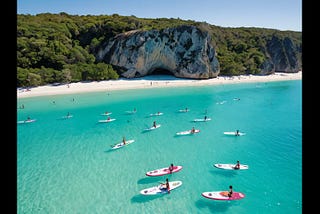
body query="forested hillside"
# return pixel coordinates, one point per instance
(62, 48)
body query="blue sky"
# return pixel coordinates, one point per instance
(275, 14)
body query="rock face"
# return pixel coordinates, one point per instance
(184, 51)
(282, 56)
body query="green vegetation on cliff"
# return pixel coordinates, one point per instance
(62, 48)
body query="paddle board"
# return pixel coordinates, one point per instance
(156, 114)
(120, 145)
(67, 116)
(234, 133)
(230, 166)
(221, 103)
(106, 114)
(202, 120)
(223, 195)
(106, 121)
(26, 121)
(188, 132)
(156, 190)
(152, 127)
(131, 112)
(184, 110)
(163, 171)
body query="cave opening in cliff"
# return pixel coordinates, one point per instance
(161, 71)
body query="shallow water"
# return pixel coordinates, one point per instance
(67, 165)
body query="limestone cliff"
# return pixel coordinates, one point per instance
(184, 51)
(282, 56)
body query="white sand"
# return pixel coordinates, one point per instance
(149, 82)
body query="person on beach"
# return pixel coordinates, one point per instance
(230, 191)
(171, 168)
(237, 166)
(154, 124)
(124, 141)
(166, 186)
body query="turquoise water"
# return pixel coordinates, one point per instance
(67, 165)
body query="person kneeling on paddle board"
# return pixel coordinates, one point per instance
(154, 124)
(193, 130)
(230, 191)
(166, 186)
(171, 168)
(237, 166)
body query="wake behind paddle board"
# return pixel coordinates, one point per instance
(157, 190)
(223, 195)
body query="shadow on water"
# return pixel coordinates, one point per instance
(184, 135)
(178, 136)
(109, 150)
(145, 198)
(145, 131)
(63, 118)
(226, 173)
(213, 206)
(148, 180)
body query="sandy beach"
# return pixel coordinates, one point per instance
(151, 81)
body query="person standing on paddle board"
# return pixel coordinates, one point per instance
(154, 124)
(237, 133)
(124, 141)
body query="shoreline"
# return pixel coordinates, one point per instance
(153, 81)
